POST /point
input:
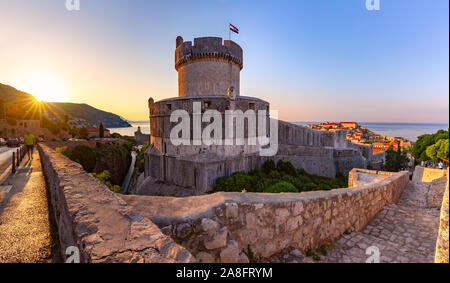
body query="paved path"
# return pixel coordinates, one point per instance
(25, 227)
(5, 161)
(403, 232)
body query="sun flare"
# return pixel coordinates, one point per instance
(44, 87)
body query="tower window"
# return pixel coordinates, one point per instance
(169, 107)
(251, 106)
(207, 104)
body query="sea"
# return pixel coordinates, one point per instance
(407, 130)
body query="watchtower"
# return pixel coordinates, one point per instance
(209, 67)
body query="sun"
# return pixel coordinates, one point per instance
(44, 87)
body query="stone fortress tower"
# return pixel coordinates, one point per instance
(209, 67)
(209, 77)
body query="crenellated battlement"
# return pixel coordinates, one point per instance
(207, 47)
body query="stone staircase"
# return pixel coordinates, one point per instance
(403, 232)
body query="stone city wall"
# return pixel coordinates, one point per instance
(422, 174)
(97, 221)
(217, 227)
(442, 251)
(436, 192)
(72, 144)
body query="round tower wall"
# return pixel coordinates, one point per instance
(209, 67)
(208, 76)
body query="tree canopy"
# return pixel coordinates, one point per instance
(396, 160)
(419, 150)
(439, 150)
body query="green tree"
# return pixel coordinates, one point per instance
(84, 155)
(439, 150)
(396, 160)
(83, 133)
(101, 131)
(424, 141)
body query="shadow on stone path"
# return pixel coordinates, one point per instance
(405, 232)
(26, 230)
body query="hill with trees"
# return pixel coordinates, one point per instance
(20, 105)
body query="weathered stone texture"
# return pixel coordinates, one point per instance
(436, 192)
(422, 174)
(442, 240)
(268, 223)
(209, 67)
(98, 222)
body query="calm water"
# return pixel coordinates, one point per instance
(145, 129)
(407, 130)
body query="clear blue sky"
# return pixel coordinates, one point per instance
(314, 60)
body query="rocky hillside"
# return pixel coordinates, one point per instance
(18, 106)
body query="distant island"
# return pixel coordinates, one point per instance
(20, 105)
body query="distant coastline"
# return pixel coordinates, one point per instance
(399, 129)
(395, 129)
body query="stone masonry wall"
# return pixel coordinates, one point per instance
(427, 175)
(217, 227)
(98, 222)
(442, 240)
(436, 192)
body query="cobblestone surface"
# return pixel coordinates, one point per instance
(404, 232)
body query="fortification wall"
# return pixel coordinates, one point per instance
(94, 219)
(209, 67)
(436, 192)
(217, 227)
(427, 175)
(199, 172)
(442, 251)
(72, 144)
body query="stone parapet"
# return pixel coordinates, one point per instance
(422, 174)
(442, 240)
(218, 227)
(207, 47)
(98, 222)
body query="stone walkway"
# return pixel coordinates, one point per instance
(26, 233)
(403, 232)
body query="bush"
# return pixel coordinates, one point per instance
(140, 162)
(268, 166)
(84, 155)
(282, 178)
(242, 181)
(281, 187)
(104, 178)
(286, 167)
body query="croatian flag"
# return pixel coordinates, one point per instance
(234, 29)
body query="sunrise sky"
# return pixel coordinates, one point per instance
(314, 60)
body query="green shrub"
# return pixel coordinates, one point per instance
(274, 175)
(286, 167)
(140, 162)
(224, 184)
(309, 187)
(242, 181)
(104, 178)
(84, 155)
(268, 166)
(281, 187)
(284, 178)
